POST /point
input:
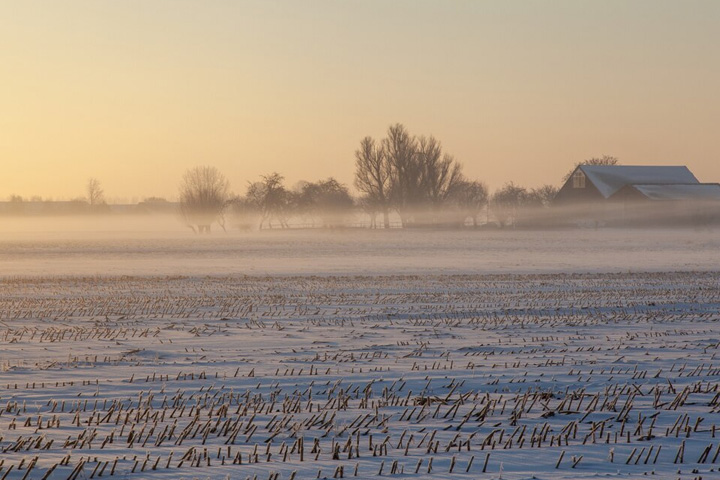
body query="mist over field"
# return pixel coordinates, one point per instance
(160, 245)
(134, 346)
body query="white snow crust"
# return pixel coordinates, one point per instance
(513, 376)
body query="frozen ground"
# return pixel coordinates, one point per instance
(517, 376)
(159, 246)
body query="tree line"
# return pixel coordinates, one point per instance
(402, 180)
(402, 175)
(93, 202)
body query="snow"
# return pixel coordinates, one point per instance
(497, 354)
(610, 178)
(702, 191)
(467, 361)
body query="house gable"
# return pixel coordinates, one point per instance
(577, 189)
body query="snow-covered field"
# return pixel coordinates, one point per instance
(519, 376)
(278, 355)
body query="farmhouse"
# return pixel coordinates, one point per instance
(639, 193)
(600, 183)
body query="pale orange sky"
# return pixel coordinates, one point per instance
(134, 92)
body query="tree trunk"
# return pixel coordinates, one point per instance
(403, 220)
(386, 219)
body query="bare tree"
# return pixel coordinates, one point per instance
(471, 197)
(441, 174)
(328, 200)
(507, 201)
(204, 192)
(95, 193)
(406, 174)
(542, 196)
(243, 212)
(16, 204)
(272, 199)
(373, 173)
(368, 206)
(422, 178)
(604, 160)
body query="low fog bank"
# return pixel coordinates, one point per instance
(160, 245)
(629, 215)
(633, 214)
(89, 226)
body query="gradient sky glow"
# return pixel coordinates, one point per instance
(134, 92)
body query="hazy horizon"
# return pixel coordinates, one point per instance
(134, 93)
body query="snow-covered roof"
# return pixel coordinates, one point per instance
(610, 178)
(699, 191)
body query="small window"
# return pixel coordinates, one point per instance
(578, 179)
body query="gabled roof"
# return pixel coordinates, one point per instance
(608, 179)
(698, 191)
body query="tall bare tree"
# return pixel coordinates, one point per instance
(204, 193)
(373, 173)
(422, 177)
(441, 174)
(406, 173)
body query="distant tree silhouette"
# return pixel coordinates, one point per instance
(604, 160)
(155, 205)
(243, 212)
(328, 200)
(95, 194)
(272, 199)
(471, 198)
(506, 202)
(203, 196)
(16, 206)
(542, 196)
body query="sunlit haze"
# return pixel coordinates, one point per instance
(136, 92)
